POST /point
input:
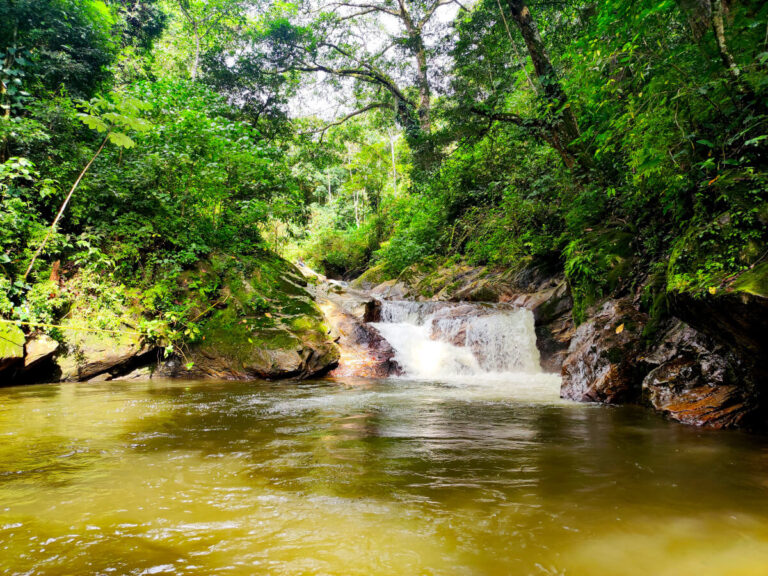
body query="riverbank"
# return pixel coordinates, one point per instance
(230, 316)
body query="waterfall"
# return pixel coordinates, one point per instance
(445, 340)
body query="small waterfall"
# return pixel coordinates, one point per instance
(445, 340)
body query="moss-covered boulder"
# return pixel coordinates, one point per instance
(89, 351)
(262, 323)
(11, 345)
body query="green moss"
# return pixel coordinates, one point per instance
(374, 275)
(754, 281)
(11, 342)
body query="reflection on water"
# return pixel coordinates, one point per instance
(369, 477)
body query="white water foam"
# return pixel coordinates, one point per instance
(435, 340)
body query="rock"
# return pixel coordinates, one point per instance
(697, 381)
(40, 348)
(551, 306)
(143, 373)
(391, 290)
(87, 354)
(11, 345)
(268, 325)
(271, 354)
(363, 351)
(602, 360)
(737, 316)
(553, 340)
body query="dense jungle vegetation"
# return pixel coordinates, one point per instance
(623, 142)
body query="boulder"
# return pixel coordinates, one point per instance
(280, 355)
(602, 360)
(266, 326)
(363, 351)
(86, 354)
(696, 380)
(38, 349)
(11, 345)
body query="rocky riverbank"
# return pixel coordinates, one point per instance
(253, 318)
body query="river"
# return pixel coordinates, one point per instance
(352, 477)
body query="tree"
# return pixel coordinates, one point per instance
(205, 17)
(111, 116)
(390, 64)
(564, 128)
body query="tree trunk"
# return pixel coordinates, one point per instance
(565, 129)
(425, 121)
(718, 26)
(196, 61)
(394, 164)
(64, 207)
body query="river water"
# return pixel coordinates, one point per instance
(390, 477)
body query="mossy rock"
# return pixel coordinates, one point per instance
(373, 276)
(11, 345)
(266, 325)
(88, 352)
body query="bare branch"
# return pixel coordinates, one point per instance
(341, 121)
(369, 7)
(431, 10)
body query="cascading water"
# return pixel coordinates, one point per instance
(438, 340)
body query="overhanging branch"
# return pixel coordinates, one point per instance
(341, 121)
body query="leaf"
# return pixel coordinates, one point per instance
(121, 140)
(620, 328)
(754, 141)
(93, 122)
(712, 290)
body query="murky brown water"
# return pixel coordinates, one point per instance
(386, 477)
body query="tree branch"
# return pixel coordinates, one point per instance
(341, 121)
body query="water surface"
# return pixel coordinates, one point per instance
(365, 478)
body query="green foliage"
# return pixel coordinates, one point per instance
(663, 184)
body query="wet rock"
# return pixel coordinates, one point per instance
(696, 380)
(736, 319)
(11, 346)
(363, 351)
(553, 340)
(602, 360)
(392, 290)
(551, 305)
(143, 373)
(39, 349)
